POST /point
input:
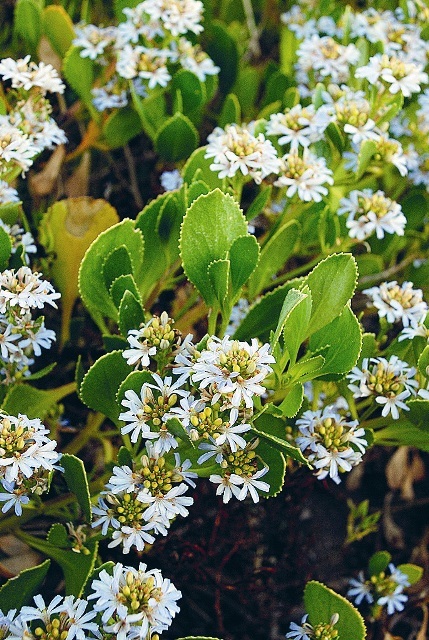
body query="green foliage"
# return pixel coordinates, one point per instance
(77, 482)
(176, 138)
(58, 28)
(18, 591)
(28, 21)
(321, 603)
(379, 562)
(35, 403)
(79, 73)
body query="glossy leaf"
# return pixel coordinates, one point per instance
(58, 27)
(18, 591)
(131, 314)
(77, 482)
(176, 139)
(321, 603)
(244, 256)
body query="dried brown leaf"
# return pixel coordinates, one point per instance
(77, 185)
(405, 468)
(43, 183)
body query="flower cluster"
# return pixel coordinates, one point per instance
(330, 443)
(320, 631)
(398, 303)
(368, 213)
(143, 499)
(21, 335)
(27, 456)
(390, 382)
(144, 50)
(381, 589)
(238, 150)
(28, 128)
(128, 603)
(21, 241)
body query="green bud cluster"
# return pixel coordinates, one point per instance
(243, 462)
(136, 593)
(384, 382)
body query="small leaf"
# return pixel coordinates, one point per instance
(423, 362)
(58, 536)
(18, 591)
(125, 458)
(366, 152)
(378, 562)
(101, 383)
(5, 249)
(209, 228)
(321, 603)
(259, 203)
(92, 288)
(58, 27)
(290, 406)
(120, 286)
(131, 313)
(244, 256)
(296, 323)
(176, 428)
(28, 21)
(332, 283)
(272, 431)
(192, 90)
(218, 272)
(121, 126)
(223, 50)
(79, 73)
(155, 260)
(276, 463)
(198, 162)
(292, 300)
(340, 356)
(231, 111)
(176, 139)
(134, 382)
(35, 403)
(412, 571)
(117, 263)
(77, 482)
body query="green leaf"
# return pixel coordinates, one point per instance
(79, 73)
(423, 362)
(77, 482)
(307, 368)
(28, 21)
(35, 403)
(197, 162)
(197, 188)
(244, 256)
(332, 283)
(412, 571)
(101, 383)
(121, 126)
(406, 434)
(272, 430)
(176, 428)
(321, 603)
(276, 463)
(231, 111)
(222, 49)
(131, 314)
(192, 90)
(378, 562)
(168, 224)
(218, 273)
(120, 286)
(5, 249)
(341, 355)
(77, 567)
(366, 152)
(125, 458)
(296, 323)
(120, 5)
(209, 228)
(114, 343)
(292, 300)
(134, 381)
(274, 255)
(92, 287)
(58, 27)
(176, 139)
(293, 401)
(58, 536)
(155, 257)
(263, 315)
(259, 203)
(18, 591)
(152, 110)
(117, 263)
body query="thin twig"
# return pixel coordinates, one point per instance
(387, 273)
(134, 185)
(254, 48)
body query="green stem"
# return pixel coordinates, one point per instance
(94, 422)
(212, 321)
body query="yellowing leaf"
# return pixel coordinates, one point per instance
(68, 228)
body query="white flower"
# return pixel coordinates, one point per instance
(93, 40)
(229, 434)
(228, 486)
(16, 147)
(304, 176)
(26, 74)
(325, 58)
(167, 505)
(233, 369)
(7, 194)
(106, 517)
(304, 631)
(360, 589)
(171, 180)
(398, 576)
(252, 484)
(400, 76)
(136, 416)
(13, 498)
(235, 149)
(398, 303)
(369, 212)
(132, 537)
(299, 126)
(395, 601)
(25, 290)
(124, 480)
(177, 16)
